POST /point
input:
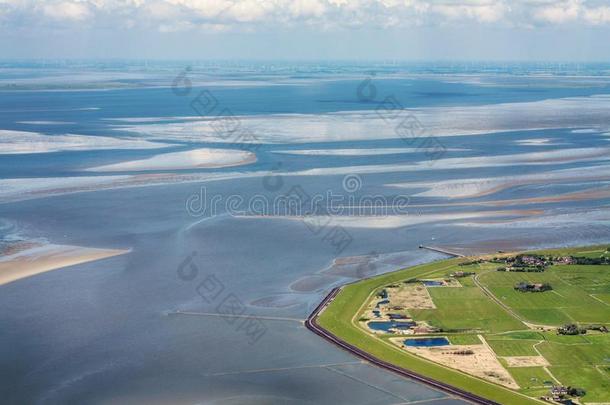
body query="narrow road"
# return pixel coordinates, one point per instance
(506, 307)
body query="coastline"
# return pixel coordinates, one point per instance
(312, 324)
(484, 390)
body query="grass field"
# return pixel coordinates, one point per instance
(507, 347)
(492, 308)
(466, 308)
(464, 340)
(531, 377)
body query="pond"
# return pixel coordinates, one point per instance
(427, 342)
(382, 302)
(385, 326)
(432, 283)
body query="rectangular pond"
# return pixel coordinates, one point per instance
(427, 342)
(385, 326)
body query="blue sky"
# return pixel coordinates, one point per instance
(567, 30)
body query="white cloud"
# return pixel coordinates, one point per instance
(307, 8)
(559, 11)
(67, 10)
(599, 15)
(250, 10)
(484, 11)
(171, 15)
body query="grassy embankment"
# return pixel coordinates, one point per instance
(580, 294)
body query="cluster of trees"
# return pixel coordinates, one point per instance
(599, 328)
(527, 260)
(523, 263)
(536, 269)
(466, 352)
(573, 329)
(576, 392)
(592, 260)
(527, 287)
(472, 262)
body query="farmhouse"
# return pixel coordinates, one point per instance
(571, 329)
(558, 392)
(564, 260)
(599, 328)
(529, 261)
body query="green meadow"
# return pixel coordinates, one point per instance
(513, 323)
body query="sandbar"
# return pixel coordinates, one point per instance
(40, 259)
(192, 159)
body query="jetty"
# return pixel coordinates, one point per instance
(441, 250)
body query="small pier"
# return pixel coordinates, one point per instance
(441, 250)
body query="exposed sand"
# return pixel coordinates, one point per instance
(411, 296)
(398, 221)
(359, 152)
(526, 361)
(28, 188)
(549, 221)
(473, 188)
(481, 363)
(443, 121)
(12, 248)
(192, 159)
(584, 195)
(17, 142)
(534, 142)
(40, 259)
(46, 122)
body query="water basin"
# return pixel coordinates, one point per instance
(427, 342)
